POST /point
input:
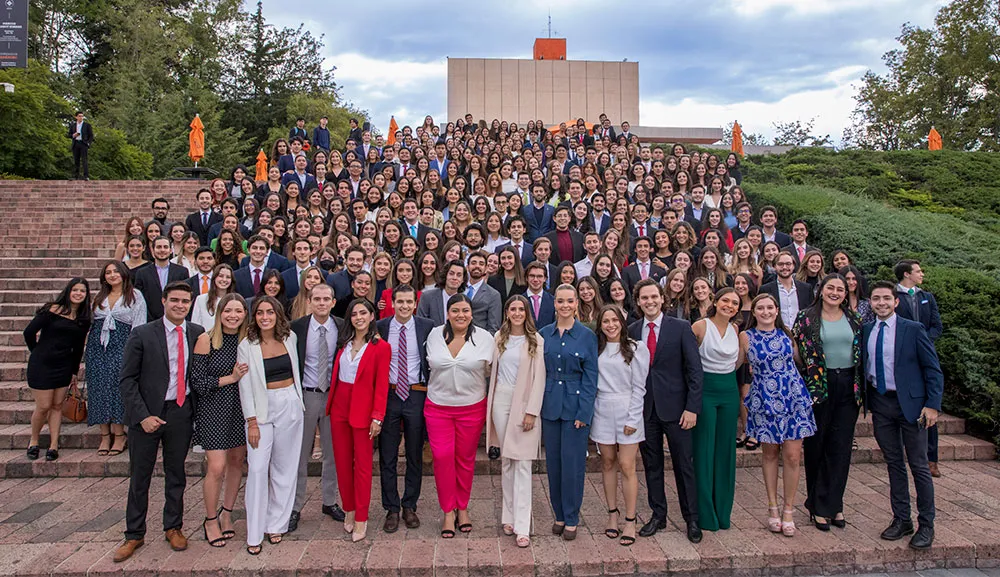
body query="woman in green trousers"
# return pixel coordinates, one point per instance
(714, 449)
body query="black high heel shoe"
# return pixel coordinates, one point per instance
(221, 541)
(230, 533)
(838, 523)
(822, 526)
(626, 540)
(612, 533)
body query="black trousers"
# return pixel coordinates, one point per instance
(828, 452)
(895, 434)
(80, 150)
(175, 436)
(681, 454)
(411, 414)
(932, 444)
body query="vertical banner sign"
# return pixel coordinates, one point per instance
(13, 33)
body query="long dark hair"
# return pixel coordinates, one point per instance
(778, 323)
(128, 294)
(449, 332)
(862, 292)
(281, 326)
(627, 344)
(815, 311)
(349, 332)
(63, 306)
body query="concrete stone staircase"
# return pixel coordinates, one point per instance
(53, 231)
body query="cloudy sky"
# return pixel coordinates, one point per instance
(701, 63)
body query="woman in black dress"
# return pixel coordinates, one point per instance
(55, 359)
(215, 376)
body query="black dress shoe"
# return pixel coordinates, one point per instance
(391, 524)
(694, 533)
(410, 518)
(897, 530)
(293, 521)
(652, 526)
(923, 539)
(335, 512)
(51, 455)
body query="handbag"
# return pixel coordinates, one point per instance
(74, 408)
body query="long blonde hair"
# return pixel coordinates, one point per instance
(530, 333)
(215, 335)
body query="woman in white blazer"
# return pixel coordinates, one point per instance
(617, 427)
(513, 406)
(271, 397)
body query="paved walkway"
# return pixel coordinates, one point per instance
(70, 526)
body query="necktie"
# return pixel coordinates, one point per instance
(470, 292)
(802, 252)
(256, 281)
(879, 362)
(644, 272)
(910, 292)
(536, 304)
(323, 361)
(651, 342)
(402, 373)
(204, 283)
(413, 230)
(517, 247)
(204, 219)
(642, 231)
(181, 389)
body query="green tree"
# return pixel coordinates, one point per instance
(945, 76)
(796, 133)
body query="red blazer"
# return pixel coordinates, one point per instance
(371, 386)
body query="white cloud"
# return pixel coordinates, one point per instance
(804, 7)
(831, 107)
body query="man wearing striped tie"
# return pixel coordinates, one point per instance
(408, 372)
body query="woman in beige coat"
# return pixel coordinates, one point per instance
(515, 400)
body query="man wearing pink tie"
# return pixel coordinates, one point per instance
(800, 233)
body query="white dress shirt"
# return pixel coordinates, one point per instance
(349, 362)
(583, 267)
(657, 322)
(412, 351)
(788, 302)
(172, 353)
(459, 381)
(888, 352)
(310, 369)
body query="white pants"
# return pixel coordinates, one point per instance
(272, 468)
(516, 474)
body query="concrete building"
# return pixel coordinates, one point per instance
(551, 88)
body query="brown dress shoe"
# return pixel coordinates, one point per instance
(411, 519)
(177, 540)
(391, 524)
(126, 549)
(935, 472)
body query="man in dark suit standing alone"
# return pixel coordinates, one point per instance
(201, 221)
(155, 391)
(671, 407)
(905, 385)
(82, 135)
(408, 372)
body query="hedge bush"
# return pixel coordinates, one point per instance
(962, 270)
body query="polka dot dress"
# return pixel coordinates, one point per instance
(219, 424)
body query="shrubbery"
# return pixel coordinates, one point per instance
(963, 272)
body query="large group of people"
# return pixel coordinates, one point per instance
(557, 286)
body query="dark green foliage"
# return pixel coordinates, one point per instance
(962, 270)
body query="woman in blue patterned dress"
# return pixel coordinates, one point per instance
(117, 308)
(779, 407)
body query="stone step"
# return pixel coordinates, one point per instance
(13, 354)
(86, 463)
(35, 283)
(36, 297)
(8, 338)
(62, 274)
(14, 324)
(7, 263)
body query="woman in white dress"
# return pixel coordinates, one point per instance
(203, 309)
(622, 367)
(513, 406)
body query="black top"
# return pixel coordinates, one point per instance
(278, 369)
(55, 352)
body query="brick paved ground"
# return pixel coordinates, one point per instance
(70, 526)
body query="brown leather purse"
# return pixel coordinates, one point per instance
(74, 407)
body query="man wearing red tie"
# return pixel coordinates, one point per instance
(158, 411)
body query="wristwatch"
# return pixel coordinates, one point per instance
(377, 422)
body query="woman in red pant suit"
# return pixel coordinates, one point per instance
(358, 390)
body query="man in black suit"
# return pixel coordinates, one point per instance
(640, 223)
(643, 267)
(567, 244)
(229, 207)
(152, 278)
(411, 221)
(792, 295)
(200, 221)
(799, 245)
(354, 262)
(248, 277)
(516, 229)
(82, 135)
(271, 258)
(201, 282)
(155, 390)
(302, 253)
(768, 222)
(317, 336)
(408, 370)
(905, 386)
(919, 305)
(671, 407)
(683, 211)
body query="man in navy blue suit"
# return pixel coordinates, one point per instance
(302, 252)
(538, 215)
(299, 175)
(249, 276)
(919, 305)
(543, 307)
(516, 228)
(271, 258)
(905, 386)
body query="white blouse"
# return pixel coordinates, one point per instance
(719, 353)
(133, 315)
(510, 361)
(621, 384)
(459, 381)
(349, 362)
